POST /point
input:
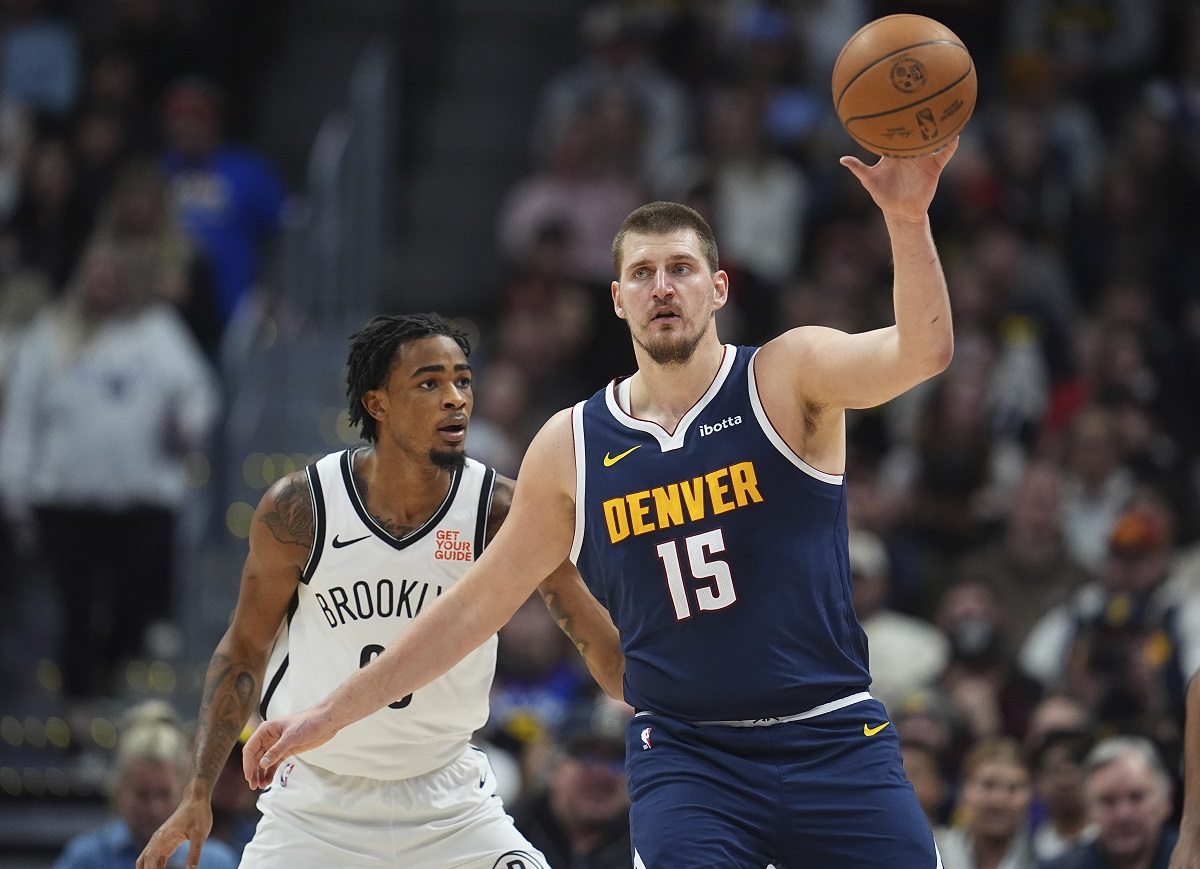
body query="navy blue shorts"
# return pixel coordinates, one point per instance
(823, 793)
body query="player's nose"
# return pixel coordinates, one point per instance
(663, 286)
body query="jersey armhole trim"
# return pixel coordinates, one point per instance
(774, 437)
(486, 491)
(580, 479)
(283, 665)
(316, 493)
(270, 692)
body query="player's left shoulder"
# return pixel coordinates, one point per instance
(785, 364)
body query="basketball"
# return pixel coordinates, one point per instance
(903, 86)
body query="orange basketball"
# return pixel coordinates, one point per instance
(903, 86)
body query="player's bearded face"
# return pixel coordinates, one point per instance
(666, 294)
(429, 401)
(675, 345)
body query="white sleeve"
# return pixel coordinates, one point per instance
(1044, 651)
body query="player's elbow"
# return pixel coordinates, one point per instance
(928, 357)
(613, 680)
(940, 354)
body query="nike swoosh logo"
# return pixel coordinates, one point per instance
(609, 461)
(871, 731)
(338, 544)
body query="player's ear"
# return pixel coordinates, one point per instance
(616, 298)
(720, 289)
(374, 402)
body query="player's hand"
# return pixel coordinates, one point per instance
(280, 738)
(902, 187)
(191, 822)
(1187, 853)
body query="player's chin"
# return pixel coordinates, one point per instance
(448, 458)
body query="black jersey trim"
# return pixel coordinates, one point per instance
(378, 530)
(270, 692)
(486, 491)
(318, 504)
(283, 665)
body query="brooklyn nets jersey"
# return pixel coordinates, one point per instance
(721, 555)
(362, 587)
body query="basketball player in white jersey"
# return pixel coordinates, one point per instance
(343, 556)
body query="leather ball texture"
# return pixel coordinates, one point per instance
(904, 85)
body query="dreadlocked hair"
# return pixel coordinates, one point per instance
(374, 348)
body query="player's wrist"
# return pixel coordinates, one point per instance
(198, 791)
(902, 220)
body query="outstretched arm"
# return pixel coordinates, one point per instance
(829, 368)
(281, 536)
(531, 544)
(1187, 852)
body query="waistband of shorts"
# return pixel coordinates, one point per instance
(823, 709)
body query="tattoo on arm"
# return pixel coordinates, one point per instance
(229, 694)
(563, 618)
(292, 519)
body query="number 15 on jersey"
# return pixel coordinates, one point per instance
(712, 583)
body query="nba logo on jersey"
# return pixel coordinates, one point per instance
(646, 738)
(285, 774)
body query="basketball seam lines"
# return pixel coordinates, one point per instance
(888, 57)
(923, 99)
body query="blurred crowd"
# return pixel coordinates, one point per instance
(131, 233)
(1024, 526)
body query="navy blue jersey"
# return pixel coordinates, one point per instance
(720, 554)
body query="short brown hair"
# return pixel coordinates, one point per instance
(659, 218)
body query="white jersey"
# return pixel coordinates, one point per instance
(361, 588)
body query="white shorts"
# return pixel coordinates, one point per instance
(450, 818)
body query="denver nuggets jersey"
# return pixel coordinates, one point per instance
(362, 587)
(720, 554)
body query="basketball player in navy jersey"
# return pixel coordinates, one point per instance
(702, 500)
(343, 556)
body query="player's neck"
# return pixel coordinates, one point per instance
(397, 488)
(665, 393)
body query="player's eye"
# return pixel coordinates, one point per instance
(681, 270)
(640, 273)
(464, 383)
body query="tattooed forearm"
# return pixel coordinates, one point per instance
(588, 625)
(558, 611)
(291, 520)
(229, 694)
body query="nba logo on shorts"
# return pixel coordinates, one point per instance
(285, 774)
(646, 738)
